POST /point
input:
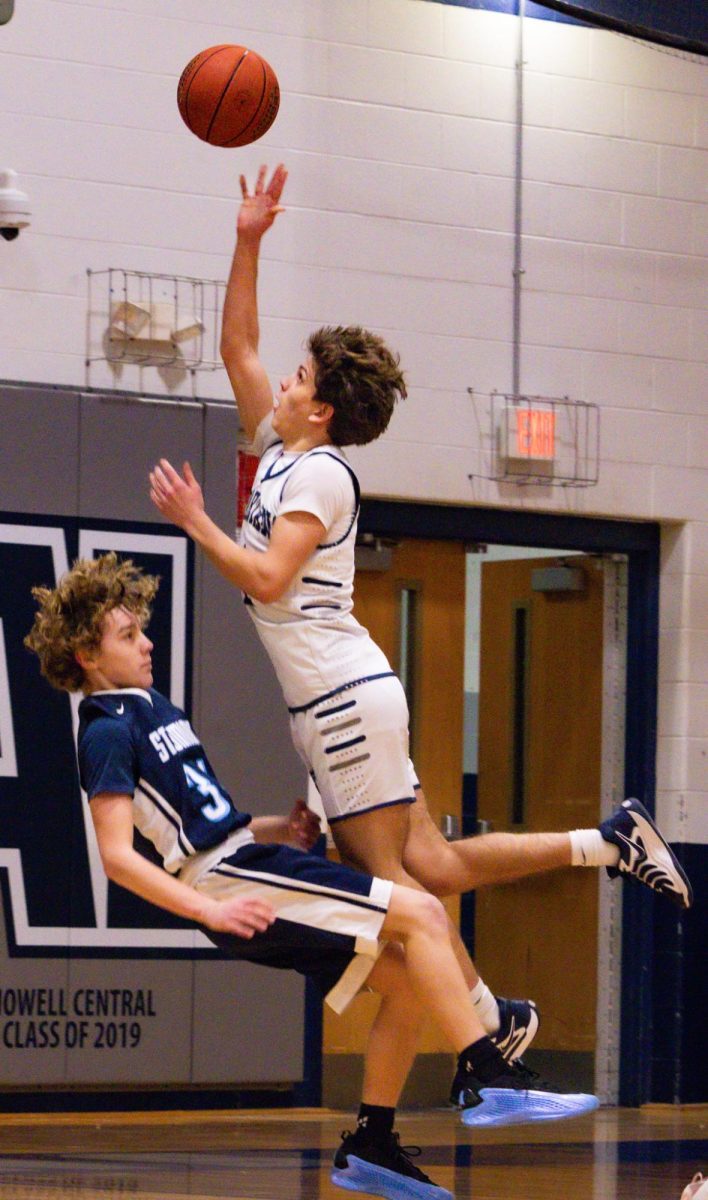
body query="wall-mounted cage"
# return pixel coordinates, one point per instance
(153, 320)
(543, 440)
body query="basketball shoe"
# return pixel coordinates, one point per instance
(697, 1189)
(519, 1096)
(383, 1168)
(644, 854)
(519, 1022)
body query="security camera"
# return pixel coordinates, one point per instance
(14, 206)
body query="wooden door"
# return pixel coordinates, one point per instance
(539, 769)
(432, 573)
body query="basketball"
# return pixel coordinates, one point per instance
(228, 95)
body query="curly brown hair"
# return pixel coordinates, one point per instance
(360, 377)
(71, 615)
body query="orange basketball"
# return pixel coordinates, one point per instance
(228, 96)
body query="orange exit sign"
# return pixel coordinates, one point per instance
(534, 435)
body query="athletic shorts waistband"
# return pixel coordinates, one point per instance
(337, 691)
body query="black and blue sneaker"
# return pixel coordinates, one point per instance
(383, 1168)
(519, 1022)
(519, 1096)
(644, 854)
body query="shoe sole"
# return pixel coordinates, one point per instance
(503, 1106)
(647, 868)
(362, 1176)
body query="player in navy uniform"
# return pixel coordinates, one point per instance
(142, 765)
(295, 564)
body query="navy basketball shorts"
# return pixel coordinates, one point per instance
(355, 745)
(328, 917)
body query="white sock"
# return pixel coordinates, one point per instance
(589, 849)
(485, 1006)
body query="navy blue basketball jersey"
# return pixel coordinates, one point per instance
(137, 743)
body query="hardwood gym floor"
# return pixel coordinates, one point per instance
(615, 1154)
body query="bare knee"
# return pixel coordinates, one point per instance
(430, 914)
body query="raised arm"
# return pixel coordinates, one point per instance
(113, 822)
(240, 332)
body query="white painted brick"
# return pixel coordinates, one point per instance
(479, 36)
(697, 599)
(356, 73)
(676, 542)
(346, 185)
(697, 764)
(620, 380)
(30, 86)
(578, 159)
(699, 335)
(699, 547)
(341, 20)
(674, 656)
(680, 387)
(401, 135)
(548, 371)
(557, 48)
(666, 117)
(410, 25)
(453, 411)
(683, 816)
(495, 203)
(697, 718)
(674, 700)
(550, 320)
(621, 60)
(631, 436)
(699, 240)
(673, 601)
(440, 197)
(613, 271)
(572, 213)
(588, 106)
(453, 364)
(537, 98)
(654, 329)
(680, 494)
(671, 764)
(697, 655)
(682, 173)
(485, 147)
(496, 100)
(438, 85)
(553, 266)
(680, 280)
(698, 443)
(620, 165)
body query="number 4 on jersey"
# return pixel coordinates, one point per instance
(215, 807)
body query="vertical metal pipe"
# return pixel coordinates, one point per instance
(518, 270)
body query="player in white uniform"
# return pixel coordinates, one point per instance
(295, 566)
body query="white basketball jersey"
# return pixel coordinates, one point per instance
(312, 638)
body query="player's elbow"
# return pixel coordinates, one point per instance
(267, 590)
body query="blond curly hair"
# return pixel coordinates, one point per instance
(71, 615)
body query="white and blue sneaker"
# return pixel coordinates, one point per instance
(383, 1169)
(519, 1097)
(519, 1022)
(644, 854)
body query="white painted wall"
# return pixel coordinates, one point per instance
(397, 125)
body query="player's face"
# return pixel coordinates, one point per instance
(124, 657)
(295, 403)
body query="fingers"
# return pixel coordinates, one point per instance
(244, 186)
(188, 473)
(277, 183)
(260, 180)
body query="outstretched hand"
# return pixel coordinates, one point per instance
(239, 915)
(178, 497)
(259, 209)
